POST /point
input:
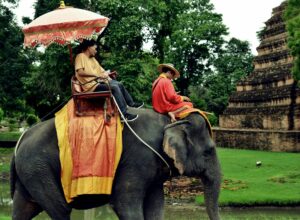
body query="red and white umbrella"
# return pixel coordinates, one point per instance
(63, 26)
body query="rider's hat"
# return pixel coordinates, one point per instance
(169, 66)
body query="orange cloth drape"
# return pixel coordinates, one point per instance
(89, 151)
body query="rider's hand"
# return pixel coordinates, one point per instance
(185, 98)
(105, 75)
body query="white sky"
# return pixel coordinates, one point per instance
(243, 17)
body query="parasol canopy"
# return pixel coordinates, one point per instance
(62, 26)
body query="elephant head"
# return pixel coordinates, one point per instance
(189, 144)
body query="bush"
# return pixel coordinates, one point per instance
(32, 119)
(213, 119)
(12, 124)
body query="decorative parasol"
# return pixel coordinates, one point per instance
(63, 26)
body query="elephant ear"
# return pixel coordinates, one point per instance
(174, 144)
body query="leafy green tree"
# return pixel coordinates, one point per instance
(234, 63)
(292, 17)
(50, 76)
(44, 6)
(161, 18)
(14, 62)
(122, 46)
(188, 34)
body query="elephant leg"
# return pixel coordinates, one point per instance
(23, 209)
(154, 203)
(54, 204)
(49, 195)
(128, 208)
(127, 198)
(212, 182)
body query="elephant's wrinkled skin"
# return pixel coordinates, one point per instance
(138, 185)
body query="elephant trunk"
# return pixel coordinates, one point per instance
(211, 195)
(212, 184)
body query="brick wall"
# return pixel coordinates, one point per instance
(256, 139)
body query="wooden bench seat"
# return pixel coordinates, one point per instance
(91, 103)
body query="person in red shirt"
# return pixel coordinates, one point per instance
(165, 100)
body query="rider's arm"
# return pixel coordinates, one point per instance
(82, 73)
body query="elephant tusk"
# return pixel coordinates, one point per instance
(176, 123)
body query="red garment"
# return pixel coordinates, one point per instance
(164, 97)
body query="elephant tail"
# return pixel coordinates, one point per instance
(12, 176)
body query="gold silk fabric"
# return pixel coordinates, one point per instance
(187, 112)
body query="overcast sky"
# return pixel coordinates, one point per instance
(243, 17)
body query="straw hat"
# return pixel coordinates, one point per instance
(169, 66)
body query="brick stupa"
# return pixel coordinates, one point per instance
(264, 111)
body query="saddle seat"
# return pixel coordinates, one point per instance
(91, 103)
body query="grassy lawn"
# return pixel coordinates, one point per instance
(5, 157)
(9, 136)
(275, 182)
(2, 217)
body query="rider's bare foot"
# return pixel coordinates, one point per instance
(172, 116)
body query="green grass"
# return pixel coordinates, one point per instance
(2, 217)
(275, 182)
(9, 136)
(5, 157)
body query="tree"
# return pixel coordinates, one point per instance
(122, 46)
(188, 34)
(292, 18)
(161, 18)
(234, 63)
(50, 76)
(14, 62)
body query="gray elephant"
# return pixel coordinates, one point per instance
(138, 185)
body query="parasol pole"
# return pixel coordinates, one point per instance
(62, 6)
(71, 54)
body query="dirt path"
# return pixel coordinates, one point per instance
(182, 189)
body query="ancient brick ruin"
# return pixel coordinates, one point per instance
(264, 112)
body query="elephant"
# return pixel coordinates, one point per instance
(137, 191)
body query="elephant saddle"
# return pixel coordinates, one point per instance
(89, 151)
(186, 112)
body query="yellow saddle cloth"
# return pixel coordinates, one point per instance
(188, 111)
(89, 152)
